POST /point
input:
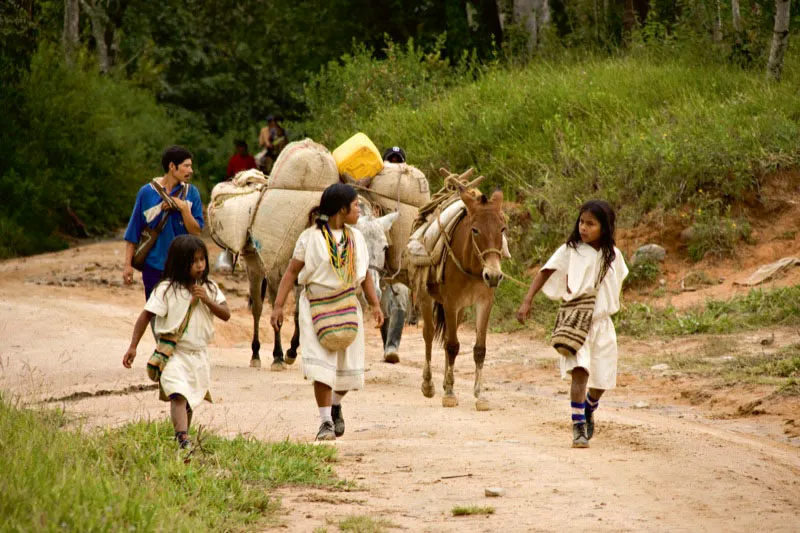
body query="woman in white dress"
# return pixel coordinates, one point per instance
(588, 263)
(331, 256)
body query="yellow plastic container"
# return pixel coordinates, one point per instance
(358, 157)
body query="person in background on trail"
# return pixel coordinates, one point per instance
(185, 290)
(395, 297)
(240, 160)
(329, 257)
(272, 139)
(588, 263)
(188, 218)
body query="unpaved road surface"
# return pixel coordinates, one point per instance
(65, 323)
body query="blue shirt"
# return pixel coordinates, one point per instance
(147, 210)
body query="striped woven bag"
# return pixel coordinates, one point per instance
(335, 318)
(573, 321)
(165, 347)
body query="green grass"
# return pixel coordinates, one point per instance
(365, 524)
(134, 479)
(469, 510)
(758, 308)
(646, 134)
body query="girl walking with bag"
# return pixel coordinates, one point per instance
(184, 304)
(586, 274)
(330, 260)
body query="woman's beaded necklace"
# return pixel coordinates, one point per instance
(341, 254)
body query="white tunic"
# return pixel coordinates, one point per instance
(575, 274)
(188, 371)
(342, 370)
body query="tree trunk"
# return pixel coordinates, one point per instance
(70, 39)
(780, 40)
(736, 16)
(718, 23)
(532, 15)
(101, 29)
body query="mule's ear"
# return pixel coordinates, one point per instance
(497, 199)
(388, 220)
(468, 197)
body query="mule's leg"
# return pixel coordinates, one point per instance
(255, 277)
(291, 353)
(426, 308)
(451, 348)
(483, 309)
(277, 350)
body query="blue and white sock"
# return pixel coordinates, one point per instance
(591, 403)
(578, 415)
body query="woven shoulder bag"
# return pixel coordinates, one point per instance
(574, 320)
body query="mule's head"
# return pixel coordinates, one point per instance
(487, 225)
(375, 231)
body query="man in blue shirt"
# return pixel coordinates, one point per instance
(188, 218)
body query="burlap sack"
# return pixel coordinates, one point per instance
(281, 218)
(399, 181)
(231, 211)
(400, 232)
(304, 166)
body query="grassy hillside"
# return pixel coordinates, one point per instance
(642, 133)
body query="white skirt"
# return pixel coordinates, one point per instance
(342, 370)
(598, 355)
(188, 373)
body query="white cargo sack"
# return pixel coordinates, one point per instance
(281, 218)
(304, 166)
(232, 209)
(404, 189)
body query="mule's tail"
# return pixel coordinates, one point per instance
(263, 294)
(438, 324)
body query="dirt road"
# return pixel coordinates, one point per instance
(65, 322)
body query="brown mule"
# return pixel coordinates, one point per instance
(471, 274)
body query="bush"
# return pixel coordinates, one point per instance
(76, 141)
(714, 231)
(359, 85)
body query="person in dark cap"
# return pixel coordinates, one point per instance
(395, 297)
(395, 154)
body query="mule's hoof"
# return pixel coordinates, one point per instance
(391, 357)
(428, 390)
(449, 401)
(255, 363)
(289, 359)
(482, 405)
(277, 366)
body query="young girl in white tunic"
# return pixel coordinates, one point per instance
(331, 255)
(186, 379)
(589, 260)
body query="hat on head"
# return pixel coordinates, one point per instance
(394, 150)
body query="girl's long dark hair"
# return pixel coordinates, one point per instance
(604, 213)
(334, 197)
(180, 256)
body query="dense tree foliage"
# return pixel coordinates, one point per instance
(81, 126)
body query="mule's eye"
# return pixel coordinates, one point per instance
(475, 231)
(503, 230)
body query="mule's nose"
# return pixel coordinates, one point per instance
(492, 278)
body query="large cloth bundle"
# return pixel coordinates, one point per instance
(402, 188)
(281, 218)
(302, 171)
(232, 209)
(304, 166)
(427, 244)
